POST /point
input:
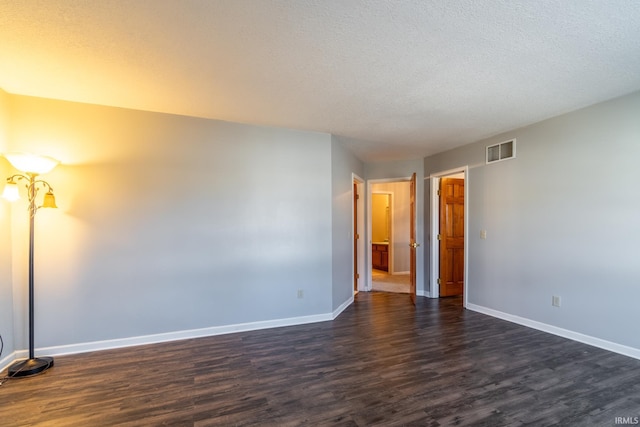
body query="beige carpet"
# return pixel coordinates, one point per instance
(385, 282)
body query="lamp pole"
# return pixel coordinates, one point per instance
(31, 165)
(33, 365)
(32, 217)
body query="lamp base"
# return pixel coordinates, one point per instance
(29, 367)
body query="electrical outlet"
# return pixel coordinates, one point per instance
(300, 293)
(483, 234)
(555, 301)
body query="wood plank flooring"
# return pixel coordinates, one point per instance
(382, 362)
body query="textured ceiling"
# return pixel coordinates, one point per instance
(397, 79)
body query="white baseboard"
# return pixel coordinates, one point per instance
(565, 333)
(8, 360)
(396, 273)
(421, 293)
(174, 336)
(342, 307)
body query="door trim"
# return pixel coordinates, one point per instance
(434, 264)
(363, 236)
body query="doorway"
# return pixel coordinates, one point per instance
(452, 201)
(390, 236)
(381, 228)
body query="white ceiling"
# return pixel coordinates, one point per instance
(398, 79)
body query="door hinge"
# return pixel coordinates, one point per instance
(439, 236)
(439, 281)
(357, 236)
(357, 276)
(438, 192)
(357, 197)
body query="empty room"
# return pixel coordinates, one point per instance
(302, 212)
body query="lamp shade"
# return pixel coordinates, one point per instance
(31, 163)
(11, 192)
(49, 200)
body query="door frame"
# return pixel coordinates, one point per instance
(434, 259)
(370, 182)
(363, 236)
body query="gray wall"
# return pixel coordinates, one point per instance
(170, 223)
(404, 169)
(561, 219)
(343, 165)
(6, 292)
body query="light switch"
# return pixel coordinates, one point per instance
(483, 234)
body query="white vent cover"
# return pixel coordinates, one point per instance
(502, 151)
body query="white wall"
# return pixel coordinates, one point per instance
(561, 219)
(401, 170)
(6, 291)
(343, 165)
(171, 223)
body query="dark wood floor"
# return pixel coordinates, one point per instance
(382, 362)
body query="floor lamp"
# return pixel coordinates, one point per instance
(31, 165)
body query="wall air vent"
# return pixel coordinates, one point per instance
(502, 151)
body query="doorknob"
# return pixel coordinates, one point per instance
(414, 245)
